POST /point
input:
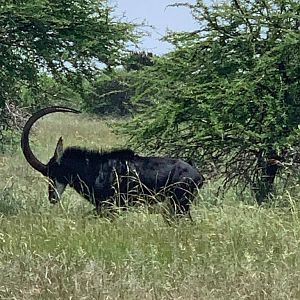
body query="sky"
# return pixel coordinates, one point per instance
(157, 14)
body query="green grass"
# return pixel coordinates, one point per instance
(232, 251)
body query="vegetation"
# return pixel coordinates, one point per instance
(231, 251)
(228, 95)
(50, 92)
(67, 40)
(110, 94)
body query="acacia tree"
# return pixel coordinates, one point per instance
(65, 39)
(228, 96)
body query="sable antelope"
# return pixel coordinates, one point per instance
(104, 176)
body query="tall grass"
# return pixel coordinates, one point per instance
(233, 250)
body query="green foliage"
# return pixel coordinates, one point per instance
(8, 139)
(59, 36)
(49, 92)
(228, 95)
(109, 94)
(68, 40)
(138, 60)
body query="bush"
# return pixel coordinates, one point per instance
(50, 92)
(110, 95)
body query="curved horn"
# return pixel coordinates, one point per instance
(32, 160)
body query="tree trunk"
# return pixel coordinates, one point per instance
(264, 186)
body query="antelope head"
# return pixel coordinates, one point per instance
(52, 170)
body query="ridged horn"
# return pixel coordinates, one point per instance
(30, 157)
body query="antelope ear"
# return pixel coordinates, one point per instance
(59, 150)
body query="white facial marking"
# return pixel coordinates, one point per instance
(59, 188)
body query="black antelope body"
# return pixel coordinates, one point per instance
(119, 177)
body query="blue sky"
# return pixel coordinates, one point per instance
(157, 14)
